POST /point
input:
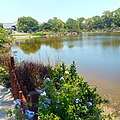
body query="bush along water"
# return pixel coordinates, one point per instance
(65, 96)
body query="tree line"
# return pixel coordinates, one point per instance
(110, 20)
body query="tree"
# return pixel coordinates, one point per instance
(45, 27)
(56, 25)
(1, 25)
(98, 22)
(89, 24)
(80, 22)
(3, 36)
(116, 17)
(108, 18)
(72, 25)
(27, 24)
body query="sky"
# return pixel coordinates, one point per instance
(43, 10)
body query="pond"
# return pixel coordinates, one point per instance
(97, 57)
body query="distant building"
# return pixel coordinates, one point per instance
(10, 26)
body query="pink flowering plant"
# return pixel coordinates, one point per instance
(65, 96)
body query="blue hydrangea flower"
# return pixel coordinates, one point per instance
(89, 103)
(48, 79)
(43, 104)
(47, 101)
(39, 91)
(77, 100)
(17, 102)
(62, 78)
(56, 106)
(29, 114)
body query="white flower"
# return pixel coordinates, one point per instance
(77, 88)
(89, 103)
(56, 106)
(29, 114)
(66, 72)
(48, 79)
(77, 100)
(58, 101)
(43, 93)
(79, 118)
(62, 78)
(85, 108)
(57, 93)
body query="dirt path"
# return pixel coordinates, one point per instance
(6, 102)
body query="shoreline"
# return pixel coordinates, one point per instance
(25, 36)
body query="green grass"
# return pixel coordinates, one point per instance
(21, 34)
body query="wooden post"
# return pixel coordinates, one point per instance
(21, 84)
(20, 95)
(12, 62)
(22, 98)
(25, 91)
(34, 100)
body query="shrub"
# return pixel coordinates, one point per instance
(4, 36)
(4, 77)
(65, 96)
(31, 74)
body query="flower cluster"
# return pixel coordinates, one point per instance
(66, 96)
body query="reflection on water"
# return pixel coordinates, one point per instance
(97, 57)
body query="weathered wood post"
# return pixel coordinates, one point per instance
(22, 98)
(25, 91)
(21, 84)
(15, 87)
(34, 100)
(13, 79)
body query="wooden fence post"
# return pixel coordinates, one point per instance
(34, 100)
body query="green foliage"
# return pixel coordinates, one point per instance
(80, 23)
(1, 25)
(27, 24)
(55, 25)
(37, 34)
(16, 112)
(109, 20)
(65, 96)
(3, 36)
(72, 25)
(4, 77)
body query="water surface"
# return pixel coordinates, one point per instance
(97, 57)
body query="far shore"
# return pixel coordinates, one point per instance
(24, 37)
(29, 36)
